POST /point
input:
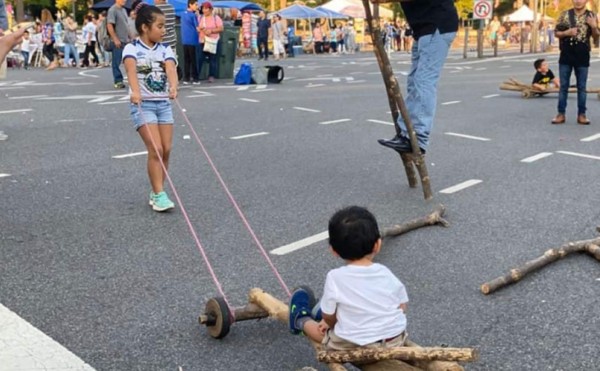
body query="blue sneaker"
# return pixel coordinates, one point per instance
(316, 313)
(300, 304)
(160, 202)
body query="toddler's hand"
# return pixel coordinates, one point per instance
(323, 327)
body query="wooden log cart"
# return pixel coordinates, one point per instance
(218, 319)
(527, 91)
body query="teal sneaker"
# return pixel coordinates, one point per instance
(151, 202)
(160, 202)
(301, 302)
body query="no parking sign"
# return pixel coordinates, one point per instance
(482, 9)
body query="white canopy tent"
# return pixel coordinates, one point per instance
(524, 14)
(354, 8)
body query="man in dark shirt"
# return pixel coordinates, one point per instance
(574, 29)
(262, 35)
(434, 24)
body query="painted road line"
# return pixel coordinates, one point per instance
(381, 122)
(24, 347)
(29, 97)
(85, 73)
(250, 100)
(579, 155)
(117, 102)
(242, 88)
(460, 186)
(306, 109)
(490, 96)
(481, 69)
(451, 102)
(10, 87)
(334, 121)
(300, 244)
(590, 138)
(4, 175)
(314, 85)
(468, 136)
(17, 110)
(131, 154)
(101, 99)
(356, 81)
(250, 135)
(260, 90)
(504, 66)
(539, 156)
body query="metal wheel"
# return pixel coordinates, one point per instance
(217, 318)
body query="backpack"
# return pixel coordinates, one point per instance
(573, 23)
(103, 37)
(244, 75)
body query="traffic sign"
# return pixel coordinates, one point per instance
(482, 9)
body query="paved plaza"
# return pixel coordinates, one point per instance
(93, 279)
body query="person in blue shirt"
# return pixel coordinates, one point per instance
(191, 42)
(290, 45)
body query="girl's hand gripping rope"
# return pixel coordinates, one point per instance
(172, 92)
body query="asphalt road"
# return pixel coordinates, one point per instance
(86, 261)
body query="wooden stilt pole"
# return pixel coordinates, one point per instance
(398, 107)
(436, 217)
(403, 353)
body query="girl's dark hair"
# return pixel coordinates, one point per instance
(353, 232)
(145, 15)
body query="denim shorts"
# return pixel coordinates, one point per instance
(152, 112)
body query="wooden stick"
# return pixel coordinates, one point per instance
(433, 365)
(280, 311)
(403, 353)
(435, 217)
(516, 274)
(396, 101)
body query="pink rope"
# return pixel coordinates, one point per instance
(234, 202)
(187, 220)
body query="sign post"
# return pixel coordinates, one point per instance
(482, 10)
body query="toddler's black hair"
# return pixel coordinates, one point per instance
(353, 232)
(538, 63)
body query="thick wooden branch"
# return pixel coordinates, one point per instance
(552, 255)
(403, 353)
(436, 217)
(396, 102)
(280, 311)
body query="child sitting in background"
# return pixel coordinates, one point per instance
(543, 76)
(363, 303)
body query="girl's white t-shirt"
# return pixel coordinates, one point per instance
(150, 68)
(366, 301)
(89, 28)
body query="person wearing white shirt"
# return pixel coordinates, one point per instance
(89, 37)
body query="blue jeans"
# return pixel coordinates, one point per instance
(428, 56)
(70, 48)
(3, 16)
(117, 55)
(581, 74)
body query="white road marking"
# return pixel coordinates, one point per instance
(4, 175)
(451, 102)
(306, 109)
(72, 78)
(24, 347)
(261, 86)
(356, 73)
(468, 136)
(250, 100)
(250, 135)
(314, 85)
(381, 122)
(300, 244)
(118, 102)
(200, 93)
(539, 156)
(10, 87)
(481, 69)
(356, 81)
(260, 90)
(579, 155)
(504, 66)
(106, 92)
(461, 186)
(490, 96)
(455, 71)
(590, 138)
(17, 110)
(131, 154)
(334, 121)
(242, 88)
(28, 97)
(101, 99)
(84, 73)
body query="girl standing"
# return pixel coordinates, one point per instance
(48, 38)
(152, 75)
